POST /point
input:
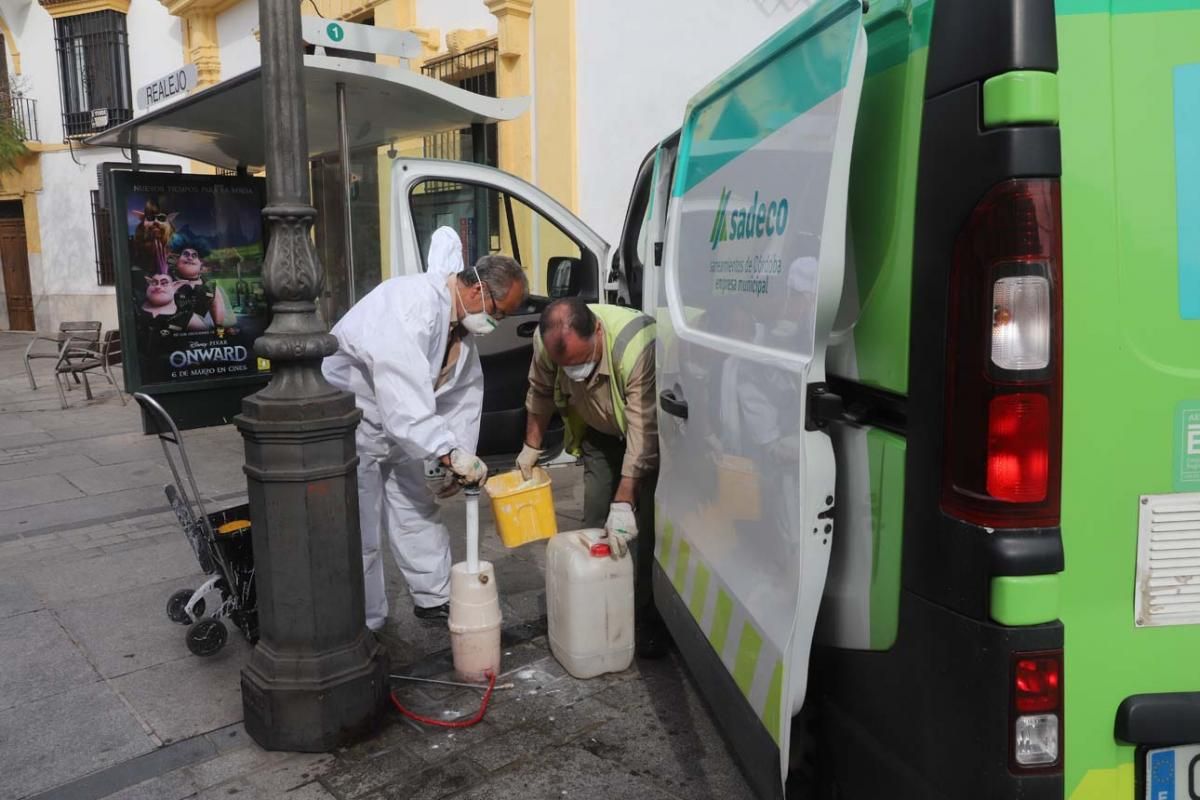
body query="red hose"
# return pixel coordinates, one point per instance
(457, 723)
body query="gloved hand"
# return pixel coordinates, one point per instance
(468, 468)
(448, 487)
(528, 460)
(620, 528)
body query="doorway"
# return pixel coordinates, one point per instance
(14, 261)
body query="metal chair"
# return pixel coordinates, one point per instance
(70, 335)
(79, 361)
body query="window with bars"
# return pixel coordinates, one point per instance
(105, 270)
(475, 71)
(93, 72)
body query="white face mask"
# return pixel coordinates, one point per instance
(580, 372)
(479, 323)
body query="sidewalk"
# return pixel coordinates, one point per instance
(99, 696)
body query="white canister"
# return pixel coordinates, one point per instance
(589, 604)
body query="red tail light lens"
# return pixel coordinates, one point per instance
(1037, 684)
(1003, 441)
(1018, 459)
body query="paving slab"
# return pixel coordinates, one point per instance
(566, 772)
(189, 696)
(83, 510)
(17, 595)
(443, 780)
(128, 631)
(62, 584)
(116, 477)
(40, 660)
(58, 739)
(35, 491)
(44, 466)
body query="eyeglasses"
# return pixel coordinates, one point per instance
(156, 217)
(496, 313)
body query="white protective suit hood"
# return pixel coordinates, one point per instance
(445, 255)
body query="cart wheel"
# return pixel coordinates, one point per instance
(207, 637)
(176, 604)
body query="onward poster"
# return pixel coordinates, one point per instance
(193, 301)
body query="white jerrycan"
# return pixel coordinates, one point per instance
(589, 604)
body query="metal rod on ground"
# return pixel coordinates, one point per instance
(452, 683)
(472, 495)
(347, 217)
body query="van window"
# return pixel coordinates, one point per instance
(489, 221)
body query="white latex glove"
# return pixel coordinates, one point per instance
(528, 460)
(440, 480)
(620, 528)
(467, 467)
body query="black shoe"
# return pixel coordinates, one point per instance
(435, 613)
(652, 640)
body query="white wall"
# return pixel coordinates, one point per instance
(155, 43)
(449, 15)
(235, 32)
(638, 63)
(34, 31)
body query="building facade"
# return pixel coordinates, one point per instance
(608, 79)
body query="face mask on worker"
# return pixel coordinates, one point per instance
(479, 323)
(580, 372)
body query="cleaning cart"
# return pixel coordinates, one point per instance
(221, 541)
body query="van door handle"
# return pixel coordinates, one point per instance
(671, 404)
(525, 329)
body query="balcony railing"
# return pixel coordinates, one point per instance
(24, 113)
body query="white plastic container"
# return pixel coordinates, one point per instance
(589, 604)
(474, 622)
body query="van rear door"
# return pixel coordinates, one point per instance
(754, 260)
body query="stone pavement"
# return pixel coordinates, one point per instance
(99, 696)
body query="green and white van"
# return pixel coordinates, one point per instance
(927, 281)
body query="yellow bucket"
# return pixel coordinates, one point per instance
(523, 513)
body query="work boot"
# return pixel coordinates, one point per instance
(433, 613)
(651, 638)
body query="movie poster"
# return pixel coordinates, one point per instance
(194, 290)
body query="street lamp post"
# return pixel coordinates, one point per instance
(317, 677)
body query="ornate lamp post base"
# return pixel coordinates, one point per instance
(317, 679)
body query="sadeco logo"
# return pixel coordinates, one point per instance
(753, 222)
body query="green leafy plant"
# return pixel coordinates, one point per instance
(12, 133)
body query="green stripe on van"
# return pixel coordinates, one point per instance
(721, 616)
(668, 536)
(699, 590)
(1064, 7)
(771, 713)
(681, 565)
(746, 663)
(783, 78)
(1021, 97)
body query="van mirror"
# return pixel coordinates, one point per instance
(563, 276)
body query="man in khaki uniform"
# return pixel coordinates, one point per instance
(594, 364)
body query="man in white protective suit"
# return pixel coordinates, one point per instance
(407, 353)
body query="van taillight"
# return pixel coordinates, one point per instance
(1036, 711)
(1003, 445)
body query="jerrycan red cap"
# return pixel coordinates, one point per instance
(601, 550)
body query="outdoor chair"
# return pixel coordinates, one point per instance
(79, 361)
(71, 335)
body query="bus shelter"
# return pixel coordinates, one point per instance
(357, 112)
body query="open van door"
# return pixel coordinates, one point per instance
(495, 212)
(754, 260)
